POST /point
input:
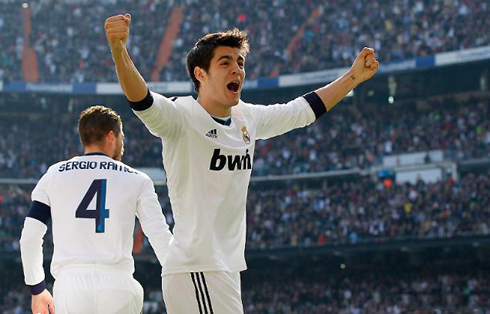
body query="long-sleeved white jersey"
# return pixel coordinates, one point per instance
(93, 201)
(208, 167)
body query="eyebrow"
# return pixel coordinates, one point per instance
(228, 57)
(225, 57)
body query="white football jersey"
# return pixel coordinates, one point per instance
(93, 201)
(208, 167)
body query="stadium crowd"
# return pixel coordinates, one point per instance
(345, 138)
(362, 210)
(327, 291)
(14, 204)
(343, 212)
(32, 143)
(366, 293)
(286, 36)
(360, 138)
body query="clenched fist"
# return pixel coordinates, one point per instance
(117, 31)
(365, 65)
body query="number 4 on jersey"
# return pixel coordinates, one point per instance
(98, 187)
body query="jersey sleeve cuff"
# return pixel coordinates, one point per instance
(37, 289)
(143, 104)
(316, 104)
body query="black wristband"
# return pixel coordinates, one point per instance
(143, 104)
(316, 104)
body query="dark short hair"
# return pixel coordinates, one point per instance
(203, 51)
(95, 122)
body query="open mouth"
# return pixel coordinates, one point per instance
(233, 87)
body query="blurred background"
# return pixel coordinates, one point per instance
(382, 206)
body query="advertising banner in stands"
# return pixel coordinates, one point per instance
(311, 77)
(171, 87)
(462, 56)
(77, 88)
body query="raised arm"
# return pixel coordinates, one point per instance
(363, 68)
(131, 81)
(278, 119)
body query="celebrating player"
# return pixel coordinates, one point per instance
(92, 201)
(208, 151)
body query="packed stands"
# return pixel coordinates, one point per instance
(311, 289)
(362, 210)
(345, 138)
(356, 211)
(69, 41)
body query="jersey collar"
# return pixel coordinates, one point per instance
(226, 121)
(95, 154)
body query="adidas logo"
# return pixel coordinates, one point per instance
(212, 134)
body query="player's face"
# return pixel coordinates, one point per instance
(225, 76)
(119, 147)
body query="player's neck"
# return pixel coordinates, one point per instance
(90, 149)
(213, 107)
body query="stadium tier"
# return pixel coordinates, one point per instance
(347, 138)
(344, 212)
(325, 290)
(66, 42)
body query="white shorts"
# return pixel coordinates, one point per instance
(90, 289)
(203, 293)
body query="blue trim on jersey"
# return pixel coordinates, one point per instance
(37, 289)
(40, 211)
(103, 212)
(143, 104)
(316, 104)
(95, 154)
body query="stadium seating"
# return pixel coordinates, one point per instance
(345, 212)
(316, 291)
(345, 138)
(70, 46)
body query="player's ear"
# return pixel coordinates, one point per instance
(199, 73)
(110, 136)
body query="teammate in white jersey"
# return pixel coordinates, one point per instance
(208, 151)
(92, 201)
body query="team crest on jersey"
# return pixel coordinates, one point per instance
(245, 135)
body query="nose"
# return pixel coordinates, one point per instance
(236, 69)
